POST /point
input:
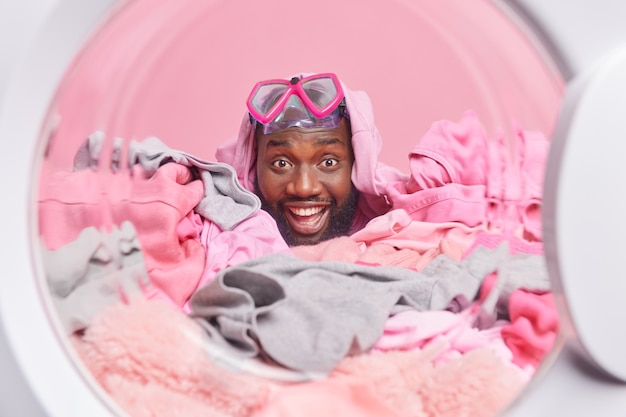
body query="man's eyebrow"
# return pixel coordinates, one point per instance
(290, 144)
(277, 143)
(328, 141)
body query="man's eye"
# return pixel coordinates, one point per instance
(329, 163)
(281, 163)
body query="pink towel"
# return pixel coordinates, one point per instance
(150, 360)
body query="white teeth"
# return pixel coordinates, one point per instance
(309, 211)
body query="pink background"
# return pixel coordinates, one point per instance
(181, 70)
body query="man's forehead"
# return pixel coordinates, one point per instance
(292, 136)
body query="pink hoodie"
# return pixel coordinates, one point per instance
(370, 176)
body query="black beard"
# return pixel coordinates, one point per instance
(341, 217)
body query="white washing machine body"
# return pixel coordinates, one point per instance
(39, 39)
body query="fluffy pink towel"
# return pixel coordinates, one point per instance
(407, 384)
(348, 397)
(149, 358)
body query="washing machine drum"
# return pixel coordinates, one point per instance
(157, 274)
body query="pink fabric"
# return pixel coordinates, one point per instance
(477, 385)
(256, 236)
(397, 228)
(346, 249)
(451, 334)
(534, 319)
(449, 174)
(404, 384)
(450, 153)
(338, 249)
(347, 397)
(369, 175)
(525, 167)
(516, 245)
(70, 201)
(385, 254)
(533, 328)
(458, 174)
(413, 329)
(160, 208)
(150, 359)
(182, 249)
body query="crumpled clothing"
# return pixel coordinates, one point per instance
(459, 174)
(225, 202)
(97, 269)
(309, 315)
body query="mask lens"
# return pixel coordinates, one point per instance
(321, 91)
(266, 97)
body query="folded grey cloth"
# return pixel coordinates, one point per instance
(308, 316)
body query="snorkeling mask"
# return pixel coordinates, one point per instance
(313, 101)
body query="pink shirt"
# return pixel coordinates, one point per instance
(458, 174)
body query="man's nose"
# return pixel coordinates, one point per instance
(304, 183)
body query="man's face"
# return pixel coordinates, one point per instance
(303, 181)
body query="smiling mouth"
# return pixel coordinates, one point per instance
(307, 220)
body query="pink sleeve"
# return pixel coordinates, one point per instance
(450, 153)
